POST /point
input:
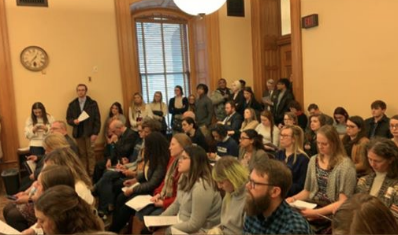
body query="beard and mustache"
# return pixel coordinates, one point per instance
(257, 206)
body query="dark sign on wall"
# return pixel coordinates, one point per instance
(309, 21)
(236, 8)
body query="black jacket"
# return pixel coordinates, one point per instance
(124, 147)
(382, 127)
(283, 107)
(234, 124)
(88, 127)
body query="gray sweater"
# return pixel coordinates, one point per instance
(204, 110)
(232, 212)
(199, 208)
(342, 179)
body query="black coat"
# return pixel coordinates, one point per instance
(283, 107)
(88, 127)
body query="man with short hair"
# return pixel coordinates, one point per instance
(269, 94)
(313, 109)
(281, 100)
(219, 97)
(378, 124)
(233, 121)
(267, 212)
(85, 131)
(226, 146)
(60, 127)
(204, 109)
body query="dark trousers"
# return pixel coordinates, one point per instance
(122, 213)
(110, 185)
(99, 170)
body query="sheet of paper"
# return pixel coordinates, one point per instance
(31, 166)
(139, 202)
(132, 186)
(175, 231)
(114, 169)
(302, 205)
(7, 229)
(159, 221)
(83, 116)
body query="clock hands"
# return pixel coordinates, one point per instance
(34, 58)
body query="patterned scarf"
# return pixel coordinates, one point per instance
(167, 190)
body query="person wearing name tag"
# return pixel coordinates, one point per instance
(226, 145)
(383, 181)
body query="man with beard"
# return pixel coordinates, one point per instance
(266, 209)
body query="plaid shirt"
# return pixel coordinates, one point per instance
(282, 221)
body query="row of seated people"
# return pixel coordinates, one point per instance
(289, 133)
(330, 177)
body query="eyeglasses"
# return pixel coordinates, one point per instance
(393, 126)
(284, 136)
(253, 183)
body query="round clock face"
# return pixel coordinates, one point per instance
(34, 58)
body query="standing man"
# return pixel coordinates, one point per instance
(204, 109)
(85, 131)
(269, 94)
(219, 97)
(281, 100)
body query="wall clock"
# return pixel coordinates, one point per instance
(34, 58)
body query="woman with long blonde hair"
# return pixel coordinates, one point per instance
(138, 111)
(292, 153)
(66, 157)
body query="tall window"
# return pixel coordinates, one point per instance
(163, 56)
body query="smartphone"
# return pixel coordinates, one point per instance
(12, 197)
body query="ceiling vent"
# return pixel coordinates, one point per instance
(32, 3)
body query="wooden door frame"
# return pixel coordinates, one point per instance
(9, 133)
(259, 78)
(128, 55)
